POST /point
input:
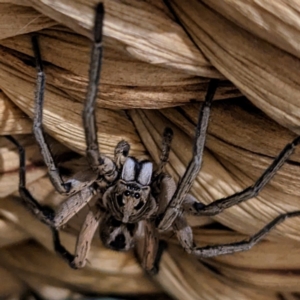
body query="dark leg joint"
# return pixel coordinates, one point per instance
(161, 248)
(61, 250)
(198, 206)
(67, 186)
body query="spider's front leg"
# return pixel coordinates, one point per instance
(88, 115)
(107, 170)
(166, 219)
(191, 205)
(54, 174)
(101, 165)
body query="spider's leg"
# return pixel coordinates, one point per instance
(72, 206)
(83, 243)
(194, 166)
(60, 249)
(165, 150)
(193, 206)
(85, 237)
(45, 214)
(54, 174)
(149, 248)
(184, 233)
(121, 153)
(163, 188)
(88, 115)
(216, 250)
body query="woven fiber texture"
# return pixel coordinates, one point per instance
(156, 70)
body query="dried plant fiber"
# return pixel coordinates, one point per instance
(155, 73)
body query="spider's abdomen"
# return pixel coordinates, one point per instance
(117, 235)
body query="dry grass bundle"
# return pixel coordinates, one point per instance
(151, 62)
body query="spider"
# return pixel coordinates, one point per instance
(134, 202)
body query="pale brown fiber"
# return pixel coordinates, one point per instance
(155, 70)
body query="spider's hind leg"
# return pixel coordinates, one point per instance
(222, 249)
(121, 153)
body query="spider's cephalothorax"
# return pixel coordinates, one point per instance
(129, 200)
(133, 202)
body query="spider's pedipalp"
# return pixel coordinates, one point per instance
(121, 153)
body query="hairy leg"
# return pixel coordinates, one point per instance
(44, 214)
(84, 240)
(72, 206)
(55, 177)
(185, 237)
(185, 184)
(88, 115)
(149, 248)
(191, 205)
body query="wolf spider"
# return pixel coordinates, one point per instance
(133, 201)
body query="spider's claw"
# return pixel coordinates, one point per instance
(44, 213)
(61, 250)
(198, 206)
(48, 213)
(153, 271)
(158, 219)
(73, 265)
(67, 186)
(168, 134)
(162, 246)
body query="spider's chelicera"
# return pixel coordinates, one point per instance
(134, 202)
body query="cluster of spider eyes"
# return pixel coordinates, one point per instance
(136, 195)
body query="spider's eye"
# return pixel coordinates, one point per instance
(127, 193)
(137, 195)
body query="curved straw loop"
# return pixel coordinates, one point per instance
(274, 21)
(268, 268)
(125, 82)
(18, 83)
(158, 40)
(19, 19)
(13, 120)
(267, 75)
(232, 166)
(186, 278)
(151, 63)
